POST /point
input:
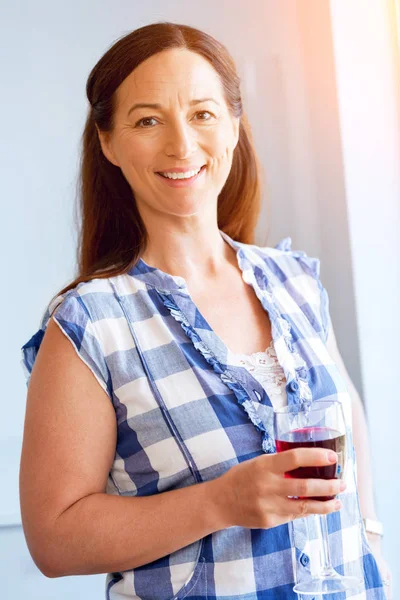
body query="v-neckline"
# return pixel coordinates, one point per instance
(256, 277)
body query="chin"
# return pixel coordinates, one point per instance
(185, 210)
(181, 208)
(184, 214)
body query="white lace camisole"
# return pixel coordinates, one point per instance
(264, 367)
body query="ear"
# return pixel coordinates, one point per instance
(105, 143)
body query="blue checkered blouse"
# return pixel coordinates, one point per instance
(185, 415)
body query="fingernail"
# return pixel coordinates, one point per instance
(332, 456)
(338, 505)
(343, 486)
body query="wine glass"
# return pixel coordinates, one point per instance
(320, 424)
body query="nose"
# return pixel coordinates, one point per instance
(180, 140)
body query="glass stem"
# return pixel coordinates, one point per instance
(327, 568)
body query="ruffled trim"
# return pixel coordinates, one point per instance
(292, 363)
(299, 364)
(285, 245)
(311, 265)
(261, 416)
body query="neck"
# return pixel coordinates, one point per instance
(189, 250)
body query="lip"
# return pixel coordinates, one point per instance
(181, 169)
(178, 183)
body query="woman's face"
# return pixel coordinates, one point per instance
(190, 127)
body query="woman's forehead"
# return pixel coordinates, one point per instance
(171, 73)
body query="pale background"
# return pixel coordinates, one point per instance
(321, 88)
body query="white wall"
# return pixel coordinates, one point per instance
(284, 53)
(368, 80)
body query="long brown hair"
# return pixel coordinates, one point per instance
(112, 235)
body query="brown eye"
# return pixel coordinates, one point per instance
(204, 112)
(143, 121)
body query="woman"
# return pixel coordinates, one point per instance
(165, 475)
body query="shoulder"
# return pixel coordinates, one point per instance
(79, 315)
(290, 272)
(283, 258)
(95, 299)
(86, 290)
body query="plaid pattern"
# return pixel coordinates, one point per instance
(185, 415)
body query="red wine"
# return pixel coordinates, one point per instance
(315, 437)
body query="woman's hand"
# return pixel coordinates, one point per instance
(375, 545)
(255, 493)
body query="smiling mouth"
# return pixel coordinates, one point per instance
(181, 178)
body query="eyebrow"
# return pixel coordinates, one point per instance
(159, 107)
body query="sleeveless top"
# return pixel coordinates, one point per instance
(186, 412)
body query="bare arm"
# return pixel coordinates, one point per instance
(73, 527)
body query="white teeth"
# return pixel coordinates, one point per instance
(180, 175)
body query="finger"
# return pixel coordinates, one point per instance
(303, 457)
(303, 507)
(312, 487)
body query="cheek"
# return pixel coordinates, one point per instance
(222, 156)
(222, 146)
(134, 159)
(133, 154)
